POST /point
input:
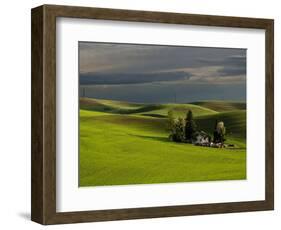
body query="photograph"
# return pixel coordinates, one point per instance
(141, 114)
(153, 114)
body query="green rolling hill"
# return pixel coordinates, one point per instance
(127, 143)
(154, 110)
(222, 106)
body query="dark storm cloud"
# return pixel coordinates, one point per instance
(231, 71)
(145, 73)
(127, 58)
(162, 93)
(230, 66)
(226, 60)
(131, 78)
(235, 65)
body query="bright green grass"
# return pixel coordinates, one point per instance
(119, 149)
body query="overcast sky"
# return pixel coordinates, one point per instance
(161, 74)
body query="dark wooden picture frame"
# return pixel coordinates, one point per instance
(43, 189)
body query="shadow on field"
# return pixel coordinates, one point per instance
(162, 139)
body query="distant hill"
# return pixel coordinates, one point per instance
(233, 114)
(221, 106)
(153, 110)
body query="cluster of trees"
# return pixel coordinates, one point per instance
(185, 130)
(181, 130)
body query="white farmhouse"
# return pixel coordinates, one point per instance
(201, 138)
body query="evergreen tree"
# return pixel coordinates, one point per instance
(190, 126)
(216, 133)
(221, 132)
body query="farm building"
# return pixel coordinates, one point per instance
(201, 138)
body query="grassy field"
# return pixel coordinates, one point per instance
(127, 143)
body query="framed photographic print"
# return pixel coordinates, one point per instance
(141, 114)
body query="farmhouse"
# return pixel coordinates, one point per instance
(186, 131)
(201, 138)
